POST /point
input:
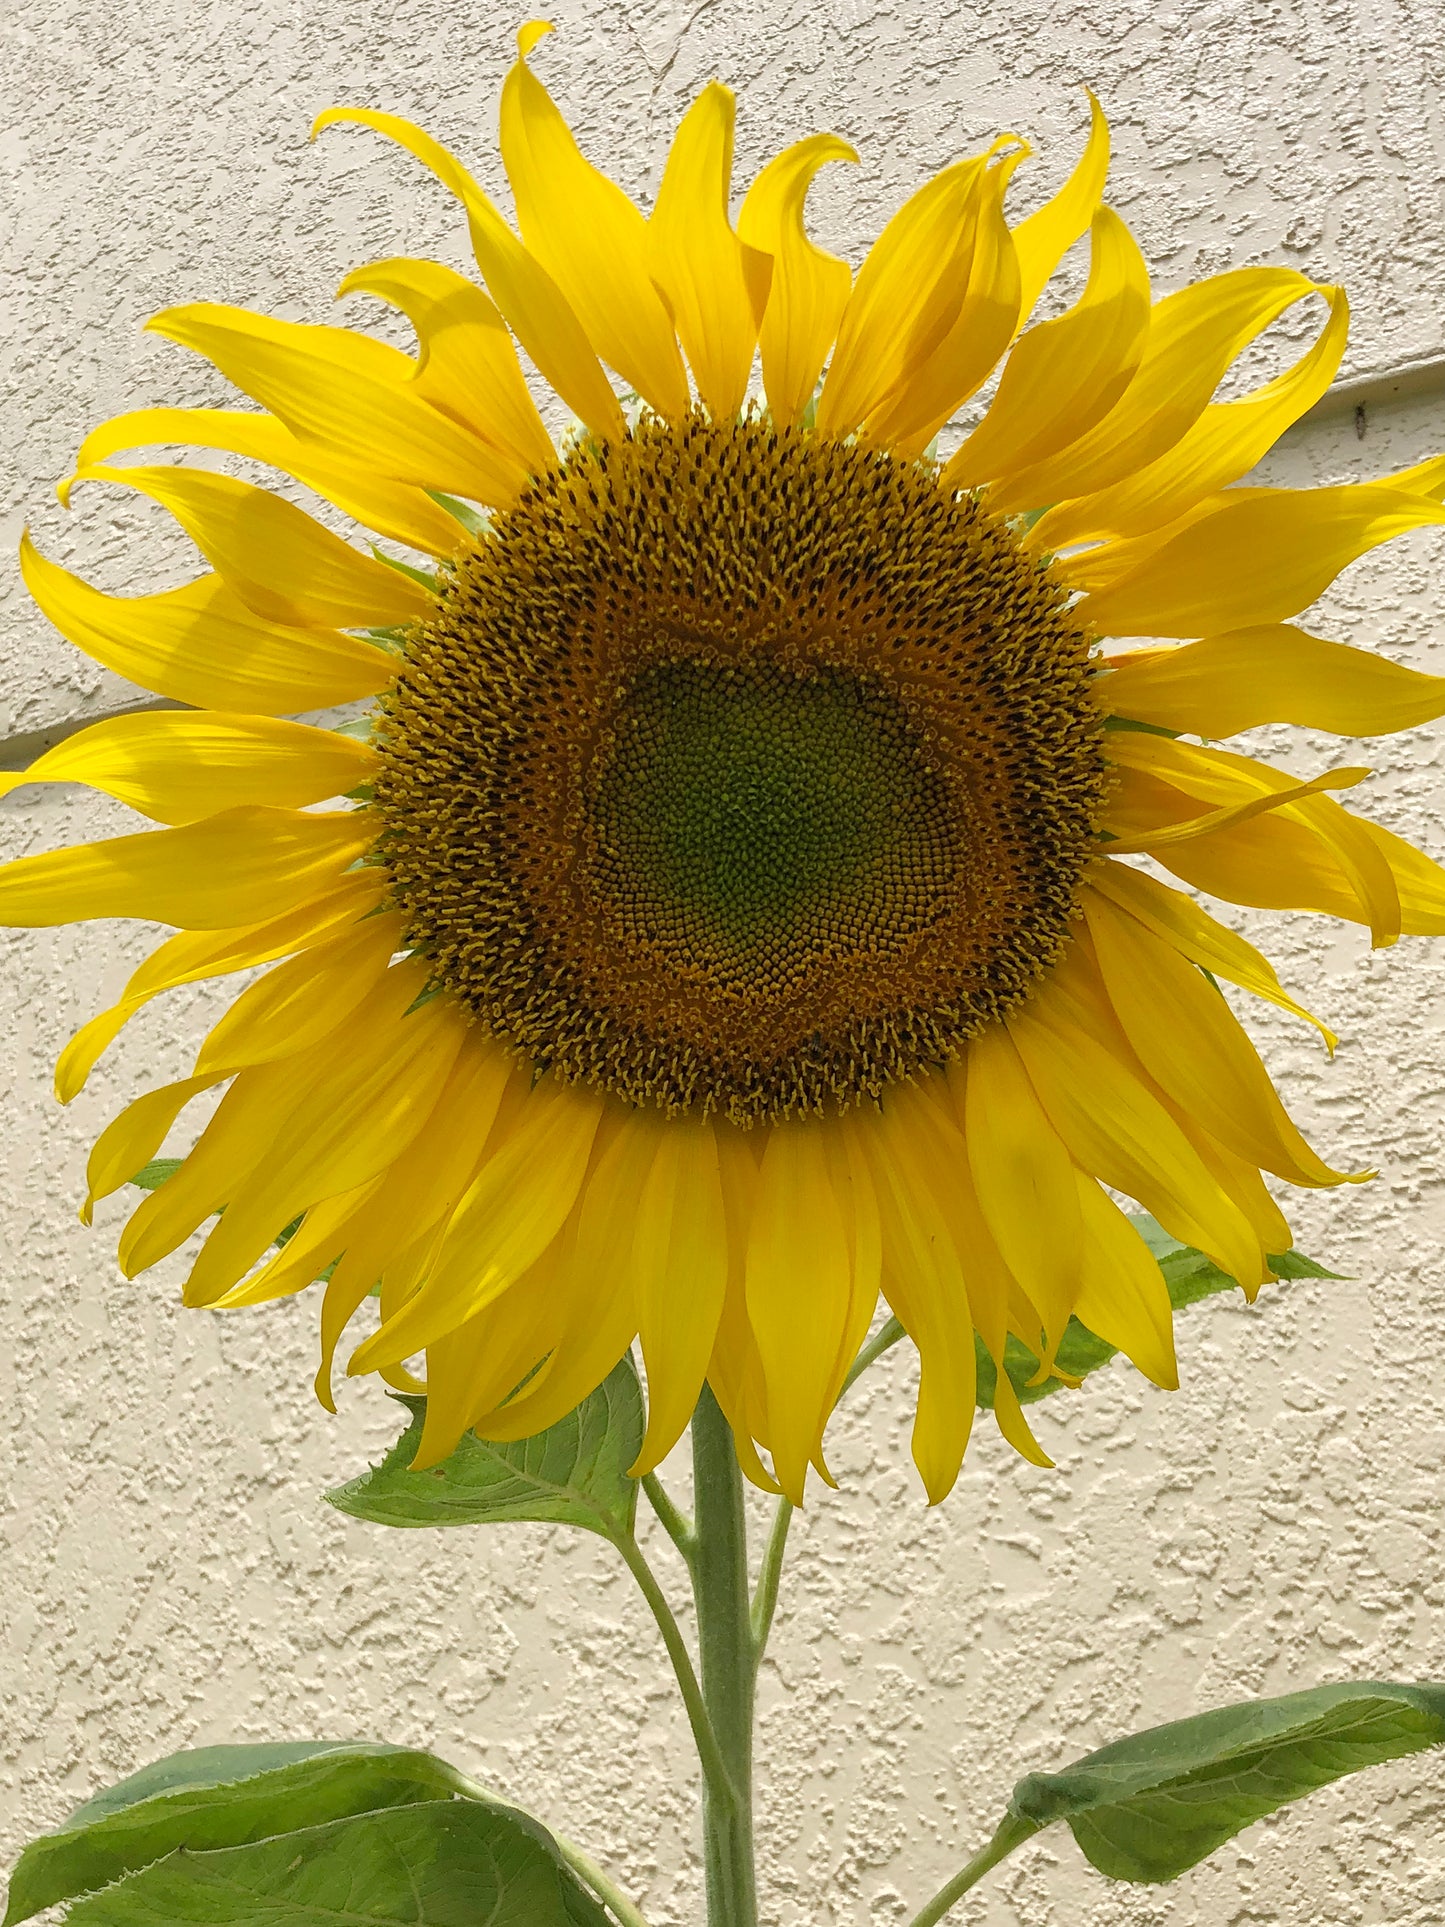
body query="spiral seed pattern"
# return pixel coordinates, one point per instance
(741, 770)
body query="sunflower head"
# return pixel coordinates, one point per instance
(741, 771)
(730, 911)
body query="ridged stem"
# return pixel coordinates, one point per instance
(728, 1663)
(1012, 1833)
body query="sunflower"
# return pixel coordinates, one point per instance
(726, 910)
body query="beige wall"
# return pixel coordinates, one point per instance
(169, 1575)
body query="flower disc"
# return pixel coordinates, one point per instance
(741, 769)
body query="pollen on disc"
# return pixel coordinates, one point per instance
(741, 770)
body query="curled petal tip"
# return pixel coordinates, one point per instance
(530, 34)
(327, 117)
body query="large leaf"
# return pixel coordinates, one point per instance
(217, 1796)
(1189, 1275)
(448, 1863)
(574, 1473)
(1147, 1808)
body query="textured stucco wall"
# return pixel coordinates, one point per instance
(169, 1575)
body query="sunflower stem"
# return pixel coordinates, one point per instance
(729, 1663)
(586, 1868)
(765, 1601)
(1012, 1833)
(611, 1895)
(675, 1524)
(882, 1340)
(717, 1777)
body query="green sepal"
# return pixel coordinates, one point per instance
(471, 519)
(1148, 1808)
(214, 1797)
(1128, 724)
(574, 1473)
(448, 1863)
(152, 1176)
(427, 578)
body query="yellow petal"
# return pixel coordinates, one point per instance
(177, 769)
(394, 509)
(1122, 1294)
(714, 285)
(1257, 560)
(679, 1258)
(282, 564)
(1419, 880)
(1194, 335)
(467, 368)
(1198, 936)
(515, 1207)
(302, 999)
(1271, 674)
(1243, 1182)
(193, 955)
(303, 1258)
(857, 1207)
(1244, 792)
(799, 1287)
(1282, 864)
(591, 239)
(1043, 239)
(735, 1371)
(201, 644)
(809, 288)
(234, 868)
(599, 1328)
(1225, 443)
(535, 308)
(1194, 1048)
(1023, 1177)
(1116, 1130)
(310, 378)
(596, 1289)
(1065, 375)
(923, 1281)
(1234, 814)
(905, 298)
(1105, 564)
(997, 1302)
(349, 1128)
(233, 1142)
(419, 1190)
(130, 1141)
(471, 1372)
(1421, 478)
(1099, 565)
(928, 394)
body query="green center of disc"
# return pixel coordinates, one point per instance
(755, 820)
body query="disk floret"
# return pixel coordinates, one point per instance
(740, 769)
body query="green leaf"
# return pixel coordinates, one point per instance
(1189, 1276)
(444, 1864)
(574, 1473)
(217, 1796)
(1149, 1807)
